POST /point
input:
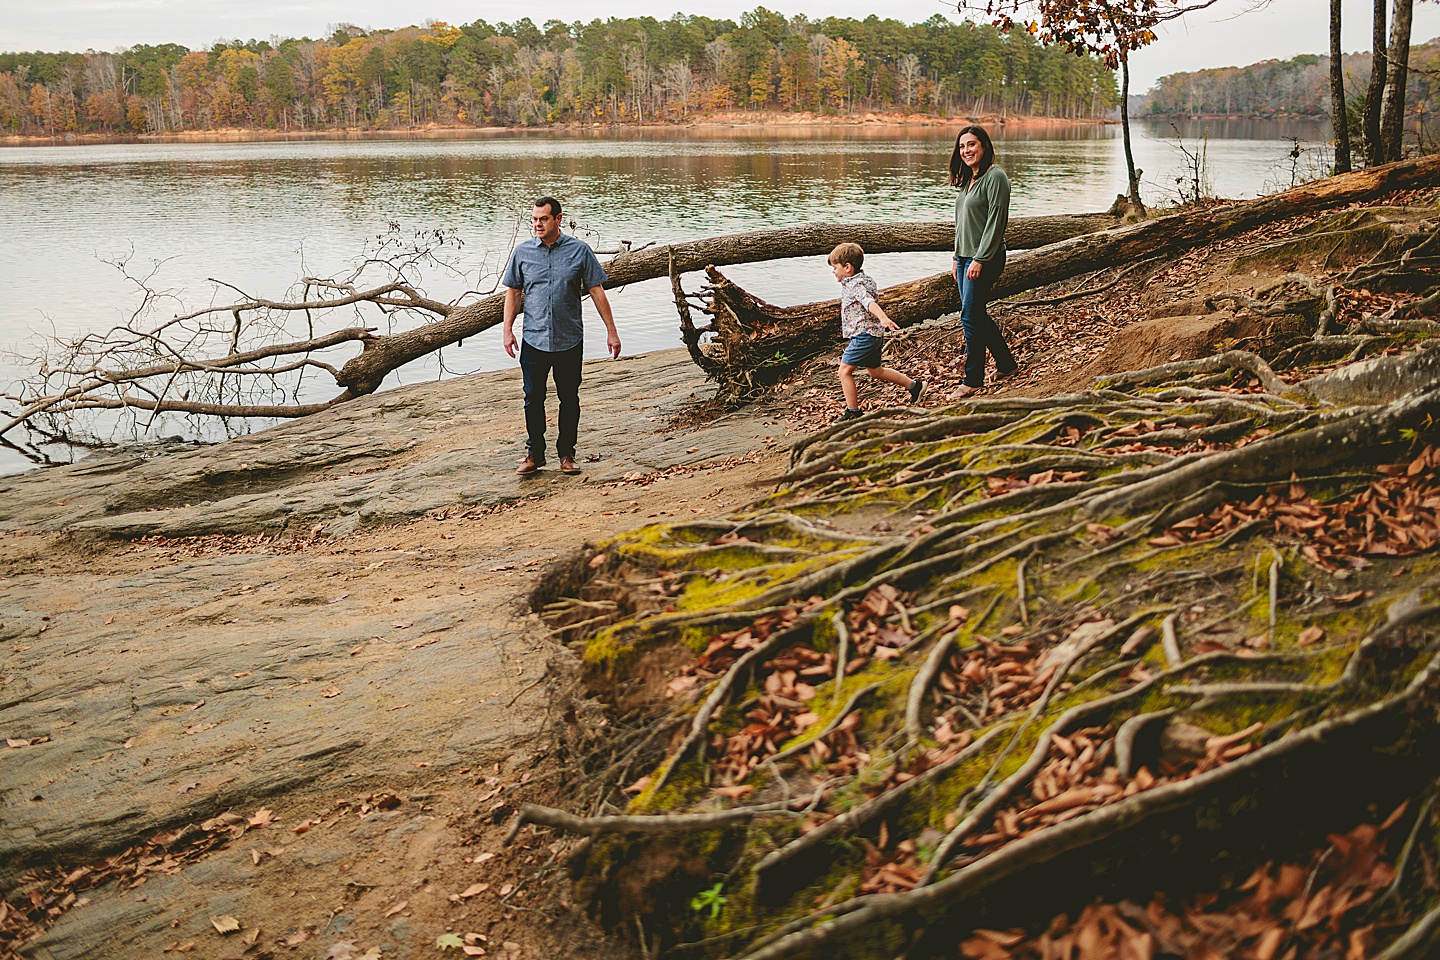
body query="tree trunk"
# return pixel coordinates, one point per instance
(1132, 175)
(1338, 117)
(1392, 108)
(363, 374)
(756, 343)
(1370, 121)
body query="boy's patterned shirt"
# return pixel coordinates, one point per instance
(856, 295)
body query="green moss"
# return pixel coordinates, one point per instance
(607, 647)
(1063, 579)
(682, 787)
(704, 593)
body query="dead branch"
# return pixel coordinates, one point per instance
(643, 825)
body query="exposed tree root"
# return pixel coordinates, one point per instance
(996, 638)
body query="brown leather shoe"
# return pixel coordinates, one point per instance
(527, 466)
(568, 465)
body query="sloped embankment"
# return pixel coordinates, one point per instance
(1115, 666)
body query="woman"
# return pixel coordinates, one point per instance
(981, 214)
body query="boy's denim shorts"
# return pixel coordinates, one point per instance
(864, 351)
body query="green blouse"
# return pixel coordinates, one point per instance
(981, 215)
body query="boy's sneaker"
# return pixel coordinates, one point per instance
(851, 413)
(917, 390)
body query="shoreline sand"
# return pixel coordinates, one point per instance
(709, 124)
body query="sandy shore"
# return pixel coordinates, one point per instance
(709, 124)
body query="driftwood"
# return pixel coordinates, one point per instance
(752, 343)
(381, 355)
(237, 360)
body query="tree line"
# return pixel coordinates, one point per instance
(1298, 86)
(616, 70)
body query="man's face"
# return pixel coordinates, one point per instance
(545, 224)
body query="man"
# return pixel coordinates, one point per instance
(551, 271)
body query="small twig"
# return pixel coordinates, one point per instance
(644, 946)
(1416, 942)
(835, 721)
(921, 683)
(865, 812)
(657, 824)
(1169, 642)
(1403, 860)
(718, 693)
(842, 649)
(1274, 596)
(1020, 591)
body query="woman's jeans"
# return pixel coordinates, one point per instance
(981, 333)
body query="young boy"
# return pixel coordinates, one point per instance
(864, 321)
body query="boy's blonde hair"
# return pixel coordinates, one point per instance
(848, 253)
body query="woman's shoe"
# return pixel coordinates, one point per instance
(965, 390)
(1012, 372)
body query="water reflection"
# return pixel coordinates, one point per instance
(261, 215)
(1241, 128)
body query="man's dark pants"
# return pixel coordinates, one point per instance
(535, 368)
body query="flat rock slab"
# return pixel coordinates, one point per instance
(379, 459)
(183, 690)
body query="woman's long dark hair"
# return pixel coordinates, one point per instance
(960, 172)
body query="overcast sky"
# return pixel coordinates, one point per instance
(1223, 35)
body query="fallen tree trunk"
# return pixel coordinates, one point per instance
(229, 360)
(383, 354)
(756, 343)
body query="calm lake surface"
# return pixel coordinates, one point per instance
(262, 215)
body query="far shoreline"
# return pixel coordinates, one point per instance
(738, 121)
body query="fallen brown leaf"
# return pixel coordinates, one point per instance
(736, 792)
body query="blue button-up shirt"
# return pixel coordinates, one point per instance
(553, 280)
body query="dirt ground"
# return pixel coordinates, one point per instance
(300, 732)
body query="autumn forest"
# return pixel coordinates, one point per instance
(617, 70)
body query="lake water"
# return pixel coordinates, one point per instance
(261, 215)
